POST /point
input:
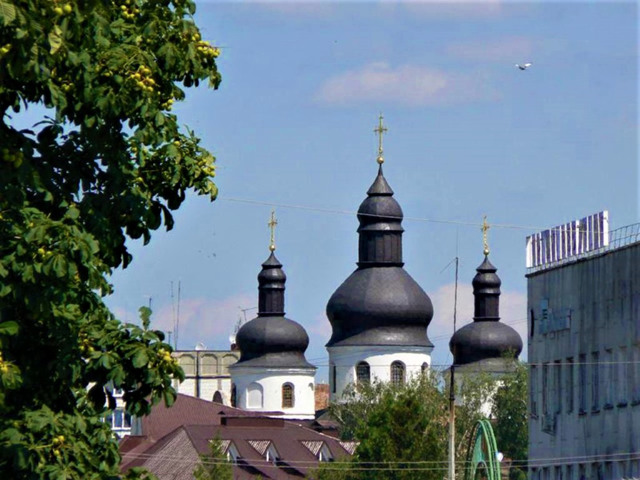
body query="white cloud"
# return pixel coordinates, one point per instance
(410, 85)
(510, 49)
(201, 319)
(513, 309)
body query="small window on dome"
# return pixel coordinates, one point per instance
(234, 395)
(363, 372)
(425, 368)
(287, 396)
(397, 373)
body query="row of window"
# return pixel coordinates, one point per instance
(583, 471)
(397, 373)
(602, 381)
(209, 364)
(255, 395)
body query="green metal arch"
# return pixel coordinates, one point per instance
(482, 460)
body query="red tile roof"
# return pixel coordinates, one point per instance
(176, 437)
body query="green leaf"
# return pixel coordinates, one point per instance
(55, 39)
(140, 358)
(7, 12)
(9, 328)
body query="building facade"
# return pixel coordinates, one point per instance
(584, 351)
(206, 373)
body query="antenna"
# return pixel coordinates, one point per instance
(245, 310)
(173, 314)
(452, 390)
(175, 338)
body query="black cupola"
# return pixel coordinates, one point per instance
(486, 338)
(379, 303)
(270, 339)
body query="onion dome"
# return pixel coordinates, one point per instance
(379, 303)
(486, 338)
(270, 339)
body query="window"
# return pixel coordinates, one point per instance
(533, 389)
(557, 474)
(532, 323)
(557, 386)
(582, 384)
(607, 377)
(569, 472)
(363, 373)
(217, 397)
(569, 381)
(424, 368)
(287, 396)
(595, 381)
(271, 455)
(254, 396)
(397, 373)
(234, 395)
(622, 377)
(635, 397)
(545, 388)
(324, 455)
(333, 379)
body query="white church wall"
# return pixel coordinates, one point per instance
(249, 381)
(379, 358)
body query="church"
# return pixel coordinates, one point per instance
(379, 318)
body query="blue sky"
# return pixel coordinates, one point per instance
(469, 135)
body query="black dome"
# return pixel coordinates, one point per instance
(270, 339)
(485, 338)
(380, 304)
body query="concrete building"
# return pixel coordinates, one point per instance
(206, 373)
(584, 351)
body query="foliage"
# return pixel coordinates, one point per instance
(509, 410)
(403, 430)
(215, 465)
(339, 470)
(107, 163)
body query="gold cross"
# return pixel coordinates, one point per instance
(272, 225)
(380, 130)
(485, 228)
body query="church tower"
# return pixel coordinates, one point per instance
(379, 315)
(486, 343)
(273, 374)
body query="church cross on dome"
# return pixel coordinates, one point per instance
(485, 228)
(272, 226)
(380, 130)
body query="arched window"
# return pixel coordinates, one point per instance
(287, 396)
(363, 372)
(234, 395)
(254, 395)
(397, 373)
(425, 367)
(217, 397)
(333, 378)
